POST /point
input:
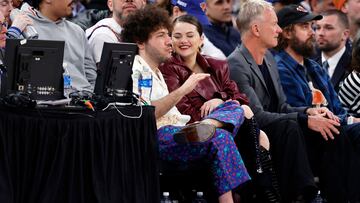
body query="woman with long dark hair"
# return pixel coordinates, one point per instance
(187, 38)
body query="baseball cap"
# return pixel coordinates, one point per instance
(292, 14)
(193, 7)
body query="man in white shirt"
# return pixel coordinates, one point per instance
(109, 29)
(149, 29)
(332, 33)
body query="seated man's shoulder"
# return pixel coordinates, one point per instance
(207, 27)
(76, 28)
(62, 30)
(240, 58)
(313, 62)
(235, 54)
(212, 33)
(278, 59)
(319, 70)
(211, 28)
(234, 32)
(139, 64)
(282, 60)
(105, 26)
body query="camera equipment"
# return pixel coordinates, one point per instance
(114, 74)
(34, 67)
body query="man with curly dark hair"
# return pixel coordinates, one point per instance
(212, 139)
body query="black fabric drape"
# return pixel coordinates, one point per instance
(50, 156)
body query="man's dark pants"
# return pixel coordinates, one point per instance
(300, 153)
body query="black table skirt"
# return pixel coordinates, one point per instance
(49, 156)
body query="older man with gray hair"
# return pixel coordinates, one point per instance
(254, 70)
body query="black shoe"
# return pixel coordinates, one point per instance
(195, 132)
(317, 199)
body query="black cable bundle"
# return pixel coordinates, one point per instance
(18, 100)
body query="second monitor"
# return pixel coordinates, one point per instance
(115, 69)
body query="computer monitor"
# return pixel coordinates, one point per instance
(34, 67)
(115, 69)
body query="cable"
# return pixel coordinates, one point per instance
(115, 104)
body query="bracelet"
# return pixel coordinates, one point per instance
(350, 120)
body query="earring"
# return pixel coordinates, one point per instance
(200, 47)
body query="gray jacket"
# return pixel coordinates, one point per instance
(246, 73)
(77, 55)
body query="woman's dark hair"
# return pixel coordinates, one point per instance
(355, 61)
(191, 20)
(140, 24)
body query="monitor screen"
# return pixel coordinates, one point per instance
(35, 67)
(115, 69)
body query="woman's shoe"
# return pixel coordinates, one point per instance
(195, 132)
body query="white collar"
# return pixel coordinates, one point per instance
(156, 73)
(333, 60)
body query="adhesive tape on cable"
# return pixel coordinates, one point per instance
(24, 41)
(350, 120)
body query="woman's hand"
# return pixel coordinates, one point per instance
(192, 81)
(210, 105)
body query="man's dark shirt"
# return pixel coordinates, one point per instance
(225, 37)
(270, 87)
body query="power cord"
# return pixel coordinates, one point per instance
(115, 104)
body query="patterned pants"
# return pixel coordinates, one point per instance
(226, 165)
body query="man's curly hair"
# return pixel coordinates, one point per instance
(140, 24)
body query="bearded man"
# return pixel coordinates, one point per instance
(301, 79)
(334, 50)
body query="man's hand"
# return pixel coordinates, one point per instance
(322, 111)
(192, 81)
(21, 21)
(356, 120)
(210, 105)
(326, 127)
